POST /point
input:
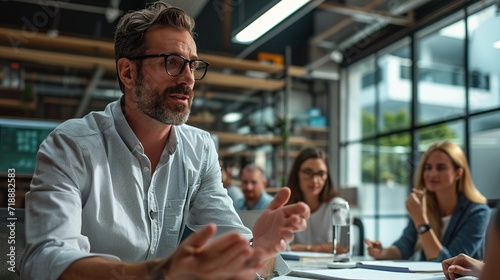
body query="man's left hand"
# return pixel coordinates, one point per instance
(275, 228)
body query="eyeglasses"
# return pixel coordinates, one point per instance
(175, 64)
(311, 174)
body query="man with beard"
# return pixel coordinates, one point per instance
(112, 192)
(253, 184)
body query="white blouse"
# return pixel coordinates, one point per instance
(319, 225)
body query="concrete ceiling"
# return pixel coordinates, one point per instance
(320, 35)
(326, 25)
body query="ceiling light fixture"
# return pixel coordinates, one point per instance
(231, 117)
(268, 20)
(112, 12)
(496, 45)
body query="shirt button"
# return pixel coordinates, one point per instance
(145, 169)
(151, 214)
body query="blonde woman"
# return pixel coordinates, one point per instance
(448, 215)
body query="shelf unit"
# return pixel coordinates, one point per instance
(89, 55)
(92, 54)
(315, 130)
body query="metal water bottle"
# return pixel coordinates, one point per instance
(341, 223)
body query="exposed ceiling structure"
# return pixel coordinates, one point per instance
(322, 35)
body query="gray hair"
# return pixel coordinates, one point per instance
(132, 27)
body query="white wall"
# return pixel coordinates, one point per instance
(484, 161)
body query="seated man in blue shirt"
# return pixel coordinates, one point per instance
(113, 191)
(253, 185)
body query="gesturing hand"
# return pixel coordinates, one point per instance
(461, 265)
(416, 207)
(275, 227)
(374, 248)
(198, 257)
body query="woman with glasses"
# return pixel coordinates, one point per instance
(310, 182)
(448, 215)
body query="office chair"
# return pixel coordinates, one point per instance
(359, 244)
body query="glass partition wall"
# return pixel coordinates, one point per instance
(440, 83)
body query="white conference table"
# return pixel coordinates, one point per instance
(312, 264)
(304, 265)
(321, 265)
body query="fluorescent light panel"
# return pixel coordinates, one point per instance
(268, 20)
(232, 117)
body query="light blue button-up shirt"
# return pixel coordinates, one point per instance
(93, 194)
(261, 204)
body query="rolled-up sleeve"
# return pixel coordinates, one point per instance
(406, 243)
(210, 202)
(53, 210)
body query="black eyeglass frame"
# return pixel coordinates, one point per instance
(311, 174)
(166, 55)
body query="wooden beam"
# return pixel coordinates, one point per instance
(18, 40)
(17, 104)
(87, 62)
(249, 139)
(314, 130)
(225, 153)
(27, 39)
(296, 71)
(199, 119)
(66, 101)
(57, 58)
(255, 139)
(240, 64)
(239, 81)
(74, 101)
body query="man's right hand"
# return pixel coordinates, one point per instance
(461, 265)
(198, 257)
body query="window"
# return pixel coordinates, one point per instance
(360, 102)
(377, 129)
(394, 92)
(441, 72)
(484, 57)
(484, 150)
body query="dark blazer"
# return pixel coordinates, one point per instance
(464, 234)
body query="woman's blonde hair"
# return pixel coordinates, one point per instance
(465, 185)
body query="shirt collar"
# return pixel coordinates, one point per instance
(123, 128)
(172, 143)
(127, 134)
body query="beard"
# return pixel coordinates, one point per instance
(154, 103)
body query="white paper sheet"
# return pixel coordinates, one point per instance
(364, 274)
(402, 266)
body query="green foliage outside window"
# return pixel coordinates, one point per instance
(394, 149)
